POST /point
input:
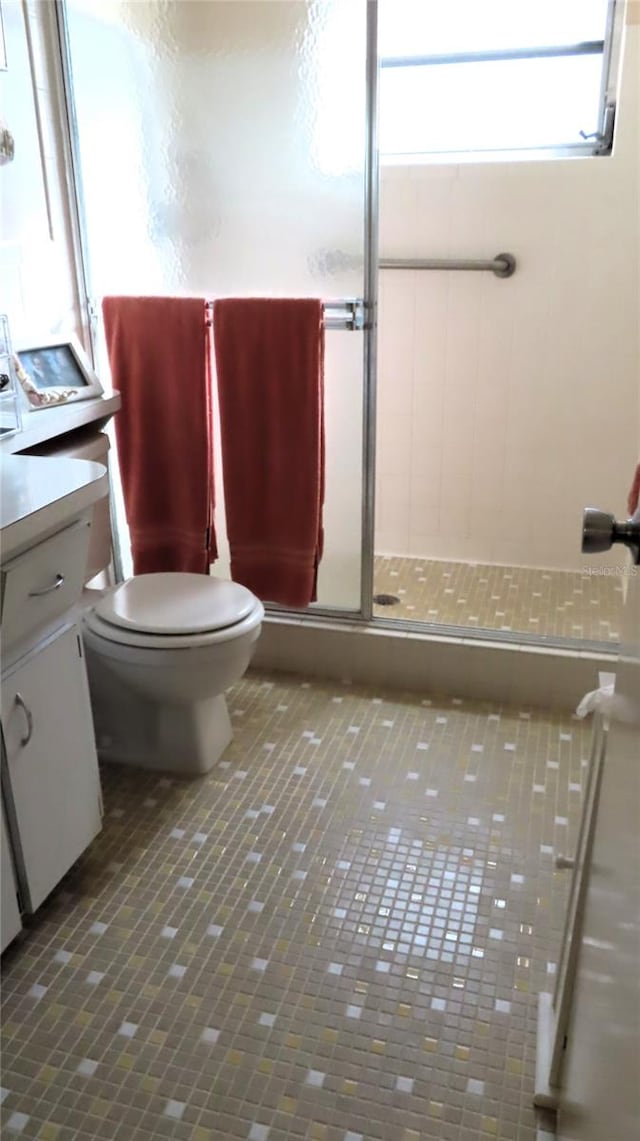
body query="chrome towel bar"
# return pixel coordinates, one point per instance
(346, 314)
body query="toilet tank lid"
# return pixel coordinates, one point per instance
(176, 603)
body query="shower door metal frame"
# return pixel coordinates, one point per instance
(364, 615)
(369, 394)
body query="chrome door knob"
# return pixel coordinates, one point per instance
(600, 531)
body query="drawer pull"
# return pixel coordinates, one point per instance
(48, 589)
(20, 701)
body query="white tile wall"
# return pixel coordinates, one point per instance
(505, 406)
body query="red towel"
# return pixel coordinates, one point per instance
(633, 498)
(160, 356)
(269, 357)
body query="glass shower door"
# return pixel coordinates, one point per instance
(222, 152)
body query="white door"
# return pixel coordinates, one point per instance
(10, 918)
(600, 1094)
(54, 785)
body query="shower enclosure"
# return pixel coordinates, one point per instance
(226, 148)
(505, 403)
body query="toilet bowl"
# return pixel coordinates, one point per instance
(161, 650)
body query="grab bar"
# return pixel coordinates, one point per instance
(503, 265)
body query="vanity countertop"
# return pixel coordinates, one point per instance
(46, 424)
(39, 495)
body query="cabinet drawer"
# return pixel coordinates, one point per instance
(44, 582)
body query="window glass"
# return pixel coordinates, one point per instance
(428, 27)
(534, 102)
(511, 104)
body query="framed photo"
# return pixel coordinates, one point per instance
(55, 371)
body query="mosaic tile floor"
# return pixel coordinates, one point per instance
(563, 604)
(337, 934)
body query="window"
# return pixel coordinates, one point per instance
(494, 76)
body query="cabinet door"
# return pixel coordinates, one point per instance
(53, 770)
(10, 918)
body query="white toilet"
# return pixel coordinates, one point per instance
(161, 650)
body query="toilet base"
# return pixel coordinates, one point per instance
(194, 735)
(186, 739)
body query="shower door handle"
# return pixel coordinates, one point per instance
(600, 531)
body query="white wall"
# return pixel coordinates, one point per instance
(37, 278)
(507, 405)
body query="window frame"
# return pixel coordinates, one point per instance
(598, 143)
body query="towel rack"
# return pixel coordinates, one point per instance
(347, 313)
(503, 265)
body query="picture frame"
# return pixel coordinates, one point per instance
(54, 371)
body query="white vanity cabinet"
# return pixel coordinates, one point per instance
(51, 761)
(10, 922)
(50, 781)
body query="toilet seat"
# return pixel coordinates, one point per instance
(174, 610)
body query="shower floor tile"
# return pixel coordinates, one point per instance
(339, 933)
(567, 604)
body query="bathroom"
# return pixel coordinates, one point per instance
(307, 1035)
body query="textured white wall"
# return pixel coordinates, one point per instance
(507, 405)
